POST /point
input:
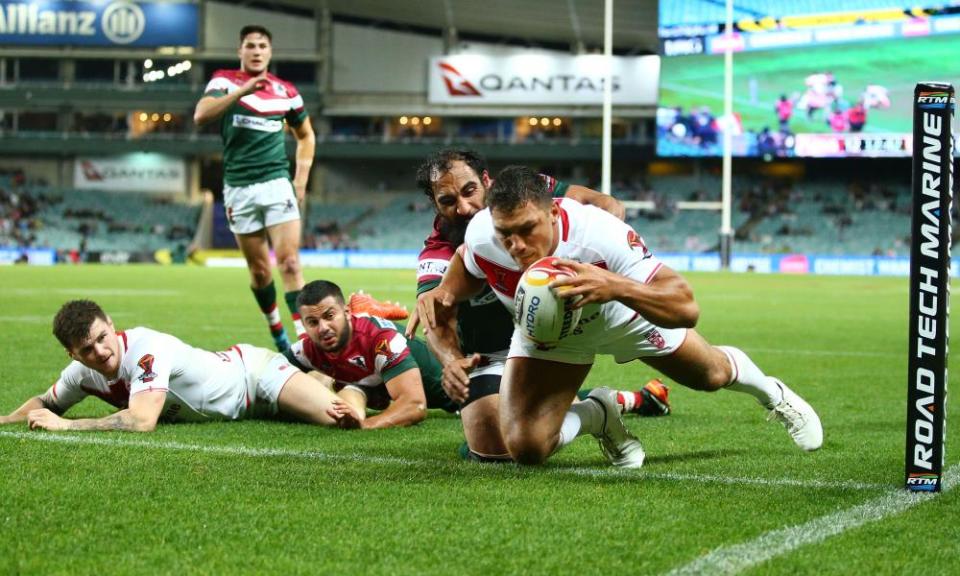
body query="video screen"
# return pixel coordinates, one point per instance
(809, 84)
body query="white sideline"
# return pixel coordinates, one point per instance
(88, 292)
(362, 458)
(739, 557)
(800, 352)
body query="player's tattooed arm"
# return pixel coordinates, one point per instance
(591, 197)
(141, 416)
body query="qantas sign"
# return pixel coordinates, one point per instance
(541, 79)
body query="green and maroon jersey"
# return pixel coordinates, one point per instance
(483, 324)
(252, 128)
(376, 353)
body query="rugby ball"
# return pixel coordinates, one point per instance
(541, 315)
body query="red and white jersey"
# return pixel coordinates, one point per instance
(200, 385)
(587, 234)
(375, 354)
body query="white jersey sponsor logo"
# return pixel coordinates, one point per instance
(432, 267)
(255, 123)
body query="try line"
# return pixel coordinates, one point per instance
(250, 452)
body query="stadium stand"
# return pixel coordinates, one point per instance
(43, 216)
(401, 224)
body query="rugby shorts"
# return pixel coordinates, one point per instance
(633, 340)
(267, 372)
(257, 206)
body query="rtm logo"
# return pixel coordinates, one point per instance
(932, 100)
(925, 482)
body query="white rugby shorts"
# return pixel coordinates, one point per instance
(257, 206)
(636, 339)
(267, 372)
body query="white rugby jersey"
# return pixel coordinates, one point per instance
(587, 234)
(200, 385)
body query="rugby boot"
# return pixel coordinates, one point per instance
(798, 417)
(618, 444)
(651, 400)
(365, 304)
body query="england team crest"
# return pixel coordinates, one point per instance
(146, 365)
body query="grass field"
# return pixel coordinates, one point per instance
(694, 81)
(722, 492)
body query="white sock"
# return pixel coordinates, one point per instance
(584, 417)
(298, 326)
(748, 378)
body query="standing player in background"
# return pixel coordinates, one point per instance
(639, 309)
(474, 347)
(253, 108)
(784, 110)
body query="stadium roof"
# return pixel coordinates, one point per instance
(554, 23)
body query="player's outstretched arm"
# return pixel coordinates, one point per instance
(20, 414)
(457, 285)
(211, 108)
(306, 144)
(141, 416)
(666, 300)
(444, 343)
(585, 195)
(408, 404)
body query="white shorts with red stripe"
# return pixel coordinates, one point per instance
(262, 205)
(267, 372)
(636, 339)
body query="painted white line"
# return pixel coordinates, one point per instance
(795, 352)
(367, 459)
(41, 319)
(27, 319)
(93, 291)
(739, 557)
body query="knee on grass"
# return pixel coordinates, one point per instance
(528, 449)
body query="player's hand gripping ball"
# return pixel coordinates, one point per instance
(540, 313)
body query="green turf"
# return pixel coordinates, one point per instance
(694, 81)
(265, 497)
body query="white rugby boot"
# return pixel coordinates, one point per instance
(798, 417)
(618, 444)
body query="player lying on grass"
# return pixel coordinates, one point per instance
(152, 377)
(372, 363)
(456, 180)
(636, 309)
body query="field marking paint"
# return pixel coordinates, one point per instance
(736, 558)
(38, 319)
(366, 459)
(27, 319)
(794, 351)
(95, 291)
